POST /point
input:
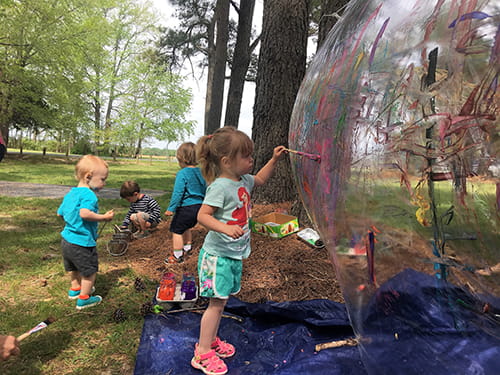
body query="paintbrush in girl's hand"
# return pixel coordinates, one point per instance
(37, 328)
(314, 157)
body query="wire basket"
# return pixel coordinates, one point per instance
(117, 247)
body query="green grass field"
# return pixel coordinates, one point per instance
(149, 173)
(33, 283)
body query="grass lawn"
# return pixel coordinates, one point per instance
(149, 173)
(33, 283)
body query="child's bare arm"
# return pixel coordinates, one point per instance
(267, 170)
(88, 215)
(206, 218)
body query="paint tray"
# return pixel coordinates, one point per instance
(177, 302)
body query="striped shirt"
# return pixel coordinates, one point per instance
(145, 204)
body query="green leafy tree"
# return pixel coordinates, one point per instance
(154, 106)
(67, 70)
(41, 44)
(131, 26)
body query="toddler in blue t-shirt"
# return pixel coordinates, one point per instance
(79, 209)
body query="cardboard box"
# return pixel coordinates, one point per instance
(275, 225)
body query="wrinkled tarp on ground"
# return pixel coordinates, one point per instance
(441, 329)
(277, 338)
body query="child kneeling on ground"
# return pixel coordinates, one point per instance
(144, 213)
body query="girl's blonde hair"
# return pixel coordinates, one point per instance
(186, 153)
(226, 141)
(88, 164)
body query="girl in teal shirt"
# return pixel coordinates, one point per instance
(226, 161)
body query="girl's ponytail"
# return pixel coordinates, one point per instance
(225, 142)
(205, 159)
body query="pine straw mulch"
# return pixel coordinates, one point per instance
(279, 270)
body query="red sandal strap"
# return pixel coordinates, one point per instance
(207, 355)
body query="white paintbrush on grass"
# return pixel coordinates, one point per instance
(37, 328)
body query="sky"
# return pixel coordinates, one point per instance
(198, 87)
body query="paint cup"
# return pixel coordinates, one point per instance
(167, 290)
(167, 287)
(188, 287)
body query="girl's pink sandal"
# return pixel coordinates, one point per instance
(223, 349)
(209, 363)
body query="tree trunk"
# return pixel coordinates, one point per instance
(282, 65)
(4, 132)
(107, 118)
(138, 148)
(241, 60)
(329, 13)
(216, 91)
(4, 111)
(97, 117)
(329, 10)
(210, 72)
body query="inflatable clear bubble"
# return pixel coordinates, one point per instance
(401, 105)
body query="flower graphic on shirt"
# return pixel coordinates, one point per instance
(207, 284)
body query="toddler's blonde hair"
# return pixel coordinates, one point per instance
(87, 165)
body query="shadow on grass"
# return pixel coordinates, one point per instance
(109, 280)
(118, 290)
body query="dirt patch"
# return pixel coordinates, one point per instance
(285, 269)
(288, 269)
(9, 228)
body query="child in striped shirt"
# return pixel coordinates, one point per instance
(144, 213)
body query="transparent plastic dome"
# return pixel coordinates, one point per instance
(401, 104)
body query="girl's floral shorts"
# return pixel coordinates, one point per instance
(220, 277)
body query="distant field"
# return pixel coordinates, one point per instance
(150, 173)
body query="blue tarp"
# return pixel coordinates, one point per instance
(272, 338)
(416, 325)
(440, 328)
